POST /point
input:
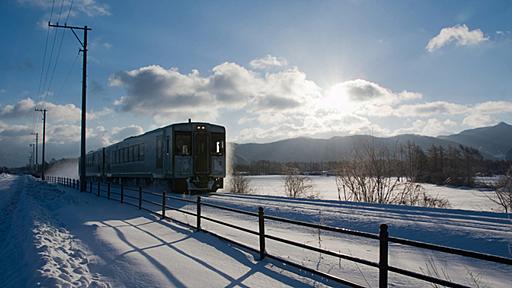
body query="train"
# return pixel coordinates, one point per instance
(185, 157)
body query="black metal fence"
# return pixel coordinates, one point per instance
(383, 237)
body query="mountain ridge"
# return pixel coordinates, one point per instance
(309, 149)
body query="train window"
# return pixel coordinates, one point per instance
(159, 158)
(141, 152)
(217, 144)
(131, 154)
(167, 145)
(183, 144)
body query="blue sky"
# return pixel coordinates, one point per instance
(267, 70)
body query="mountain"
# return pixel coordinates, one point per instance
(494, 140)
(336, 148)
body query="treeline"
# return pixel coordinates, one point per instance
(453, 165)
(438, 165)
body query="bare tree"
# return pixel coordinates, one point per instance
(503, 193)
(379, 175)
(297, 185)
(240, 184)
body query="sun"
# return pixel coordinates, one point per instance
(336, 97)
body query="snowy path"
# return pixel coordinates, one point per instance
(56, 237)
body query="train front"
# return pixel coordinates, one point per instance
(200, 155)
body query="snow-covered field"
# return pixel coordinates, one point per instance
(56, 236)
(460, 198)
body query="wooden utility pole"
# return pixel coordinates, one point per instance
(32, 154)
(44, 140)
(83, 184)
(37, 149)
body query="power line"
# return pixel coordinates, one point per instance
(46, 87)
(69, 11)
(60, 47)
(59, 90)
(44, 55)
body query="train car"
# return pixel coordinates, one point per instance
(184, 157)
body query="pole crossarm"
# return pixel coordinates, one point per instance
(69, 27)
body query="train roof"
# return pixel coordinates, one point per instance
(175, 125)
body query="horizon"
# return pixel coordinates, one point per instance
(266, 71)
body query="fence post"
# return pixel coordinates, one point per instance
(90, 187)
(198, 213)
(108, 191)
(163, 204)
(261, 220)
(383, 256)
(140, 197)
(98, 189)
(122, 192)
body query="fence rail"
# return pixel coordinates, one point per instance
(383, 236)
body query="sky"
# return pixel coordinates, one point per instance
(267, 70)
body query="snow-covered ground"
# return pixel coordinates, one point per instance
(460, 198)
(53, 236)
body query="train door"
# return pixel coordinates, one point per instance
(201, 153)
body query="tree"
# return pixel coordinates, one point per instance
(372, 176)
(240, 184)
(503, 193)
(297, 185)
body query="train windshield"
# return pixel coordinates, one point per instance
(217, 144)
(183, 144)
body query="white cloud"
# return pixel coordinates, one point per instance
(429, 127)
(364, 97)
(460, 34)
(57, 113)
(162, 93)
(90, 8)
(429, 109)
(268, 61)
(477, 120)
(494, 107)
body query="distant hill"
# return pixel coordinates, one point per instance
(336, 148)
(494, 140)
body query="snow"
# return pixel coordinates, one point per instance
(460, 198)
(52, 236)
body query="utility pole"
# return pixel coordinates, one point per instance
(44, 138)
(31, 159)
(84, 92)
(37, 141)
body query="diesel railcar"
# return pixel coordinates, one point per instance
(184, 157)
